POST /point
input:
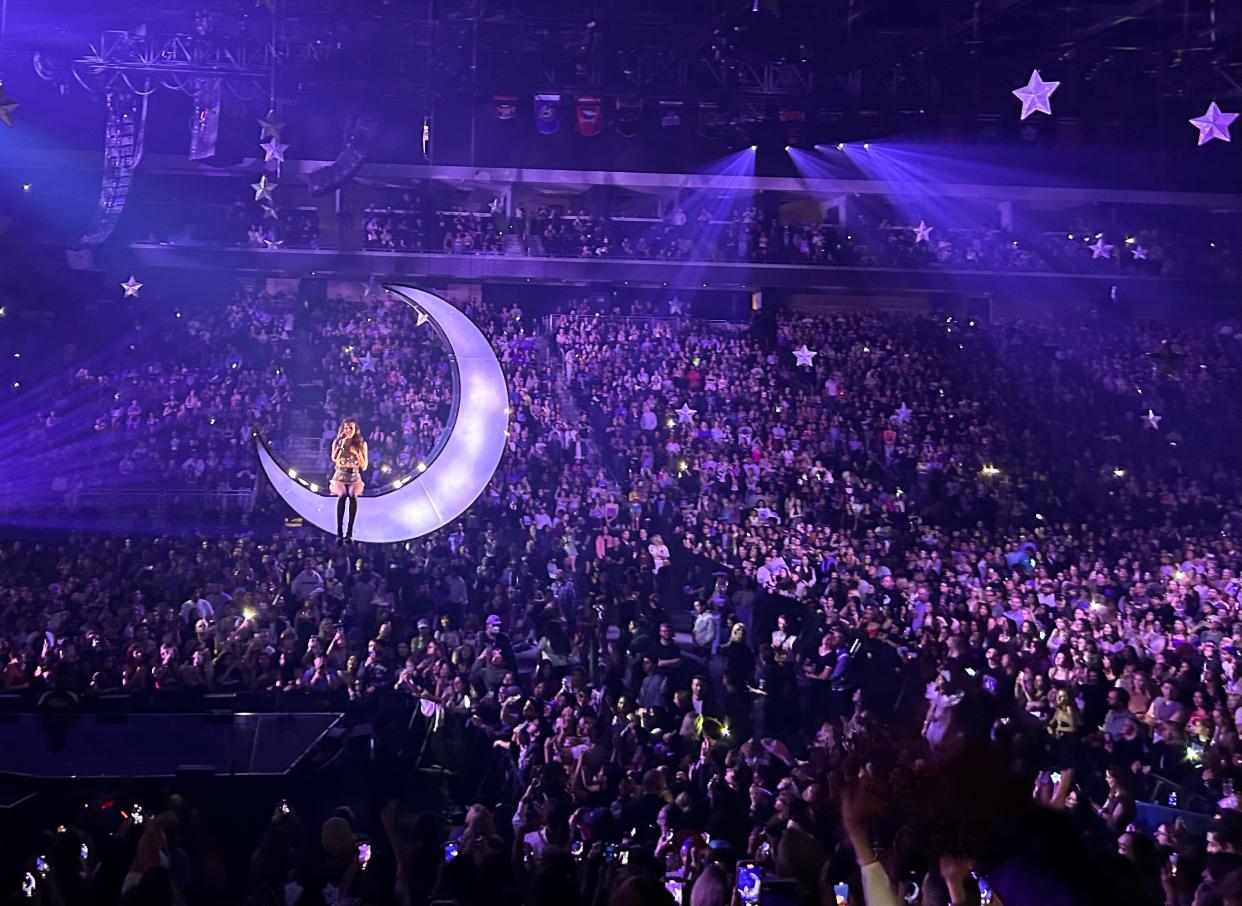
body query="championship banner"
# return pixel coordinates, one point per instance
(711, 120)
(670, 113)
(547, 113)
(589, 115)
(504, 106)
(629, 115)
(793, 121)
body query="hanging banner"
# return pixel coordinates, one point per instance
(629, 116)
(710, 119)
(590, 116)
(670, 113)
(504, 106)
(547, 113)
(793, 121)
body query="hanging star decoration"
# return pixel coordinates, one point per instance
(804, 356)
(263, 189)
(270, 210)
(273, 150)
(371, 287)
(1168, 361)
(903, 414)
(1152, 420)
(1036, 95)
(131, 287)
(1101, 249)
(922, 233)
(676, 306)
(271, 126)
(1139, 253)
(273, 243)
(420, 318)
(7, 106)
(685, 415)
(1214, 124)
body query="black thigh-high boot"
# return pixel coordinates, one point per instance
(340, 518)
(353, 511)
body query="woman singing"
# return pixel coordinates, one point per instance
(349, 455)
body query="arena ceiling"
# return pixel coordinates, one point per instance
(852, 54)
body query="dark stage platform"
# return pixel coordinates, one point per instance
(65, 745)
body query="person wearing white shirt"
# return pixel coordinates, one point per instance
(659, 554)
(196, 608)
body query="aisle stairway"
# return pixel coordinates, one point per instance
(302, 448)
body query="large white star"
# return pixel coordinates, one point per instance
(263, 189)
(685, 415)
(922, 232)
(804, 356)
(1214, 124)
(1036, 95)
(1101, 249)
(903, 414)
(676, 306)
(131, 287)
(1152, 420)
(1139, 253)
(270, 126)
(273, 149)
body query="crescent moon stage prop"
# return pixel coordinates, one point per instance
(457, 471)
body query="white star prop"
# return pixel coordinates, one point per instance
(420, 318)
(1152, 420)
(922, 232)
(685, 415)
(371, 287)
(271, 126)
(1139, 253)
(273, 149)
(1101, 249)
(804, 356)
(1036, 95)
(1214, 124)
(903, 414)
(270, 210)
(131, 287)
(367, 362)
(273, 243)
(263, 189)
(676, 306)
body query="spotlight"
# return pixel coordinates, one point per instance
(866, 146)
(293, 473)
(786, 147)
(840, 146)
(314, 487)
(26, 187)
(754, 147)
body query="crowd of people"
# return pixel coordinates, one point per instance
(875, 236)
(946, 612)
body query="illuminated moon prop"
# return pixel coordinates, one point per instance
(454, 475)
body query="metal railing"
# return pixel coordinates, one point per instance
(158, 501)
